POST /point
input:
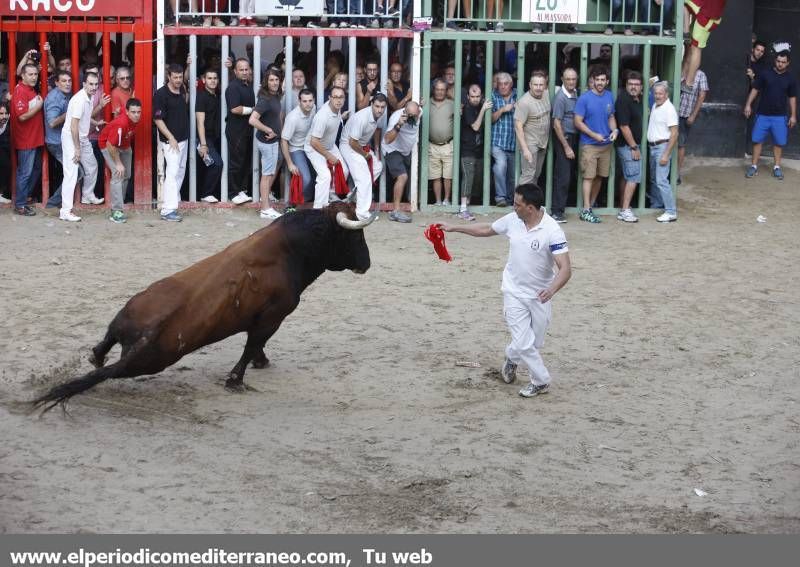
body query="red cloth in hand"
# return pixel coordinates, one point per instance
(369, 163)
(296, 190)
(338, 179)
(435, 234)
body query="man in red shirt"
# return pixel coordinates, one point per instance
(115, 145)
(27, 136)
(123, 91)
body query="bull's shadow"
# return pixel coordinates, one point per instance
(251, 286)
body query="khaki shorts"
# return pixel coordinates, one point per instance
(441, 161)
(595, 160)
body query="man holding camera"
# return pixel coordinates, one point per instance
(398, 143)
(27, 136)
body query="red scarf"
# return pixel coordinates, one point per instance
(296, 190)
(435, 234)
(338, 179)
(369, 163)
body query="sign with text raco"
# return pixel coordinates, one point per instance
(83, 8)
(554, 11)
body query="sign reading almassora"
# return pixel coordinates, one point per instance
(71, 8)
(555, 11)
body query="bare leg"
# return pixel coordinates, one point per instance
(437, 190)
(399, 187)
(448, 187)
(587, 193)
(681, 158)
(596, 182)
(627, 193)
(778, 151)
(264, 186)
(757, 153)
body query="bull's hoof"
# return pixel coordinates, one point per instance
(96, 361)
(260, 362)
(234, 385)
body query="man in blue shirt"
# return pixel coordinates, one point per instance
(55, 111)
(594, 119)
(504, 142)
(776, 87)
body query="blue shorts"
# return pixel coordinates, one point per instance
(777, 126)
(269, 157)
(631, 168)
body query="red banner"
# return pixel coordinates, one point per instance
(82, 8)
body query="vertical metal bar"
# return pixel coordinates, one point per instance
(455, 194)
(160, 73)
(351, 77)
(255, 161)
(646, 64)
(487, 128)
(320, 70)
(288, 103)
(384, 47)
(192, 120)
(223, 85)
(677, 60)
(585, 78)
(611, 188)
(426, 121)
(417, 77)
(74, 49)
(551, 72)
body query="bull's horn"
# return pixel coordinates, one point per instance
(349, 224)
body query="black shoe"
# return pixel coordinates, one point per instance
(25, 211)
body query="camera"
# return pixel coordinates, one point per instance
(36, 57)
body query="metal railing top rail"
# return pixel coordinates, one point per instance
(342, 13)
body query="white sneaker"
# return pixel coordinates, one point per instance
(626, 215)
(91, 200)
(210, 199)
(69, 217)
(4, 201)
(667, 217)
(270, 213)
(241, 198)
(445, 203)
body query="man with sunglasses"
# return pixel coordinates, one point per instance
(123, 92)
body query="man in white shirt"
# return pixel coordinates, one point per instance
(537, 247)
(662, 135)
(399, 141)
(77, 149)
(295, 130)
(361, 159)
(320, 146)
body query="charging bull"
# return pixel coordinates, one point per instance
(251, 287)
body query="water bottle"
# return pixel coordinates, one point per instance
(208, 160)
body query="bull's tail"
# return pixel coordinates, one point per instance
(63, 392)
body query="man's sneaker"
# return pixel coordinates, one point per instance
(451, 25)
(241, 198)
(509, 372)
(374, 23)
(24, 211)
(777, 172)
(118, 217)
(270, 213)
(445, 203)
(399, 216)
(560, 218)
(91, 200)
(626, 215)
(499, 27)
(333, 25)
(313, 25)
(537, 28)
(4, 201)
(752, 171)
(207, 22)
(588, 216)
(69, 217)
(210, 199)
(466, 215)
(490, 27)
(500, 203)
(608, 31)
(667, 217)
(235, 21)
(289, 210)
(172, 216)
(532, 390)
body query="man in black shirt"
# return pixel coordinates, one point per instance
(368, 85)
(206, 112)
(241, 99)
(629, 120)
(471, 145)
(171, 117)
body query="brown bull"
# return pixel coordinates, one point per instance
(251, 287)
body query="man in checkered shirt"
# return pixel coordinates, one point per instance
(692, 99)
(504, 144)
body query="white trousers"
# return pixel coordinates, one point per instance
(173, 175)
(323, 187)
(527, 319)
(70, 170)
(359, 170)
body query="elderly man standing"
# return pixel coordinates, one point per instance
(504, 99)
(567, 147)
(440, 150)
(77, 148)
(320, 146)
(398, 143)
(662, 135)
(532, 126)
(27, 136)
(361, 158)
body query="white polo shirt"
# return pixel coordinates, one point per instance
(531, 264)
(661, 118)
(406, 138)
(324, 126)
(296, 127)
(80, 106)
(361, 127)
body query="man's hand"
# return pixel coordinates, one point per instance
(636, 155)
(613, 135)
(105, 100)
(792, 122)
(690, 120)
(598, 137)
(402, 120)
(508, 108)
(527, 155)
(119, 170)
(664, 160)
(173, 144)
(293, 169)
(46, 46)
(487, 105)
(445, 227)
(332, 159)
(747, 111)
(546, 295)
(750, 73)
(203, 151)
(76, 156)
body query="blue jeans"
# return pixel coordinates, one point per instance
(630, 10)
(659, 175)
(336, 7)
(29, 170)
(503, 171)
(57, 152)
(307, 172)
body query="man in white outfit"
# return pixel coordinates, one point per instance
(537, 246)
(320, 145)
(361, 158)
(77, 149)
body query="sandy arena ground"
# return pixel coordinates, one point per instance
(674, 349)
